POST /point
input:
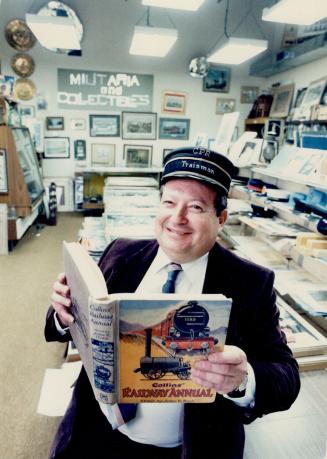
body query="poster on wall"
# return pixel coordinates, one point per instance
(98, 90)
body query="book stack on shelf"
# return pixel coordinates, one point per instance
(130, 207)
(93, 237)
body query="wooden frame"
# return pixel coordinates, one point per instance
(225, 105)
(174, 102)
(103, 154)
(104, 125)
(3, 171)
(139, 126)
(56, 147)
(174, 128)
(249, 94)
(138, 155)
(55, 123)
(282, 101)
(217, 79)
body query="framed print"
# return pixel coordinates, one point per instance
(313, 93)
(80, 149)
(165, 152)
(138, 155)
(225, 106)
(55, 123)
(27, 110)
(217, 79)
(282, 100)
(249, 94)
(174, 128)
(174, 102)
(103, 154)
(56, 147)
(104, 125)
(77, 124)
(3, 171)
(138, 125)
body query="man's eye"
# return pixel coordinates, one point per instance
(167, 202)
(196, 208)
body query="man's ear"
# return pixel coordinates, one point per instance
(223, 217)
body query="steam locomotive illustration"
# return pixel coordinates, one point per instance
(186, 328)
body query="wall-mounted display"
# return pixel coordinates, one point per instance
(56, 147)
(174, 128)
(174, 102)
(165, 152)
(27, 110)
(19, 35)
(225, 106)
(23, 65)
(41, 102)
(138, 155)
(80, 149)
(139, 126)
(7, 85)
(104, 125)
(103, 154)
(217, 79)
(55, 123)
(249, 94)
(282, 100)
(77, 124)
(24, 89)
(3, 171)
(314, 92)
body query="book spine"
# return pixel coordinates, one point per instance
(102, 329)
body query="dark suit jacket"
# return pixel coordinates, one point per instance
(253, 327)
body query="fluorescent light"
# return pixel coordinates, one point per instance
(152, 41)
(238, 50)
(301, 12)
(189, 5)
(54, 31)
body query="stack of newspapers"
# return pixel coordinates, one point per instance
(130, 207)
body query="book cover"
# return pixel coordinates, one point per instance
(141, 348)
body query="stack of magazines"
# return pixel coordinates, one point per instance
(93, 237)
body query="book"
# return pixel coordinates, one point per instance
(140, 348)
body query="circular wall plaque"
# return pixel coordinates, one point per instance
(19, 35)
(24, 89)
(23, 65)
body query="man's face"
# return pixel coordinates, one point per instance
(186, 224)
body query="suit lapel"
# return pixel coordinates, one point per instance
(218, 275)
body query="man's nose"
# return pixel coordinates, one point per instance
(180, 214)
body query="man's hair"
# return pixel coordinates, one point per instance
(220, 202)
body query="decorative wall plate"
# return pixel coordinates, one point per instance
(23, 65)
(19, 35)
(24, 89)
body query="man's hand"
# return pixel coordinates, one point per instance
(222, 371)
(61, 301)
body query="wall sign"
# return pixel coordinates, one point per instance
(97, 90)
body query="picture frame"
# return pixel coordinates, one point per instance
(26, 110)
(224, 105)
(80, 149)
(174, 128)
(56, 147)
(249, 94)
(104, 125)
(77, 124)
(165, 152)
(282, 101)
(103, 154)
(55, 123)
(313, 93)
(64, 192)
(3, 171)
(217, 79)
(139, 126)
(174, 102)
(201, 139)
(137, 155)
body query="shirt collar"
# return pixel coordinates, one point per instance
(190, 268)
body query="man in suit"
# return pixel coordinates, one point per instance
(256, 373)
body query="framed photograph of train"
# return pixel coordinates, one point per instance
(139, 126)
(138, 155)
(174, 128)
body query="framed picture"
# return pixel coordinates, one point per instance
(282, 100)
(201, 139)
(56, 147)
(313, 93)
(103, 154)
(3, 171)
(165, 152)
(27, 110)
(64, 192)
(174, 102)
(217, 79)
(104, 125)
(249, 94)
(174, 128)
(80, 149)
(55, 123)
(225, 106)
(138, 155)
(77, 124)
(138, 125)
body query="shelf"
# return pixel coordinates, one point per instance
(250, 121)
(119, 170)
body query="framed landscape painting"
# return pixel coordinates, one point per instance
(174, 102)
(138, 155)
(56, 147)
(139, 126)
(174, 128)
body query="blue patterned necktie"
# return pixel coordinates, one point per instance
(173, 270)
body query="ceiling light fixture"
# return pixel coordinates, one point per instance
(152, 41)
(237, 50)
(186, 5)
(300, 12)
